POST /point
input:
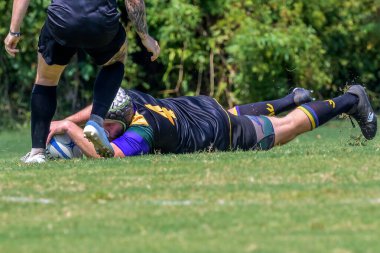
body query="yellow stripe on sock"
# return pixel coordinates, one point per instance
(308, 114)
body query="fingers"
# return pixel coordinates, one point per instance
(11, 49)
(51, 134)
(12, 52)
(11, 44)
(53, 131)
(156, 52)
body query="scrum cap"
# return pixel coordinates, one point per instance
(122, 109)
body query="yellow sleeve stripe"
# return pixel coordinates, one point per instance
(234, 111)
(311, 118)
(139, 119)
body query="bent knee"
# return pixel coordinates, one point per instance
(47, 81)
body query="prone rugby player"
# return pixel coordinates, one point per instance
(139, 124)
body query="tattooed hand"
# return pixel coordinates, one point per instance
(137, 14)
(152, 46)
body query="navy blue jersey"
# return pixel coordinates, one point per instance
(83, 23)
(185, 124)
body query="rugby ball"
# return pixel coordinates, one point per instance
(63, 147)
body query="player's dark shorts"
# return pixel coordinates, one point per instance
(56, 54)
(252, 133)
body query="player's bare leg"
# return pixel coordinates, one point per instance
(105, 89)
(43, 106)
(48, 75)
(290, 126)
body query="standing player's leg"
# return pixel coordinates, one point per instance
(43, 106)
(106, 85)
(52, 60)
(312, 115)
(298, 97)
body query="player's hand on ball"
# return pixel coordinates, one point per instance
(57, 127)
(11, 44)
(152, 46)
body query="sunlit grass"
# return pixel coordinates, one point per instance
(321, 193)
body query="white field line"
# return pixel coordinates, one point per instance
(360, 201)
(375, 201)
(174, 202)
(221, 202)
(27, 200)
(188, 202)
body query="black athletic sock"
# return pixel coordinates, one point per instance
(268, 108)
(320, 112)
(43, 104)
(105, 88)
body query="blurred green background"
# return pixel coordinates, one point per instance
(235, 50)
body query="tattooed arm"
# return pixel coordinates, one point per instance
(137, 14)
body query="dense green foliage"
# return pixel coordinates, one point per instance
(236, 51)
(318, 194)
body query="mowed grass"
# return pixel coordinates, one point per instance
(321, 193)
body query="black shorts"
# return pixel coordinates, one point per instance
(56, 54)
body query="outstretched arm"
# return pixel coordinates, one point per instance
(76, 134)
(19, 10)
(137, 15)
(79, 118)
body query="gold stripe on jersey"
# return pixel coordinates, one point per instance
(139, 120)
(169, 114)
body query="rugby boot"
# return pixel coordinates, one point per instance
(302, 96)
(97, 135)
(363, 112)
(36, 158)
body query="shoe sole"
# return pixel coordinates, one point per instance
(90, 133)
(362, 94)
(35, 162)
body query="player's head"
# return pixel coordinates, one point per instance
(114, 129)
(121, 110)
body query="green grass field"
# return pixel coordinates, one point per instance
(319, 194)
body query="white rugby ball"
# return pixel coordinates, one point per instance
(63, 147)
